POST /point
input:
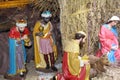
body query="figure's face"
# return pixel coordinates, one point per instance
(114, 23)
(82, 41)
(21, 29)
(46, 19)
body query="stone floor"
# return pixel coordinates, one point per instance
(32, 74)
(112, 73)
(36, 75)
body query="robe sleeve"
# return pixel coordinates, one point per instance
(36, 28)
(11, 33)
(74, 63)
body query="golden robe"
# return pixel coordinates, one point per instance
(39, 58)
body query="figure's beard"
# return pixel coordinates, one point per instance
(81, 44)
(46, 21)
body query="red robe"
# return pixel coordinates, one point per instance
(16, 34)
(66, 75)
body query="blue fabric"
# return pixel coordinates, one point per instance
(114, 30)
(12, 56)
(46, 12)
(12, 61)
(111, 56)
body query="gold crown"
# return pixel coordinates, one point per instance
(21, 21)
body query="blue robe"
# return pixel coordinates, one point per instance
(12, 56)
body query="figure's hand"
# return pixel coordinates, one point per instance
(30, 43)
(81, 61)
(86, 62)
(18, 41)
(24, 37)
(39, 34)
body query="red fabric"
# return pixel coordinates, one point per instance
(66, 75)
(107, 38)
(117, 54)
(99, 53)
(16, 34)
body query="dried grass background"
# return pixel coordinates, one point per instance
(51, 5)
(86, 15)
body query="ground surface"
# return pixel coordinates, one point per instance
(36, 75)
(112, 73)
